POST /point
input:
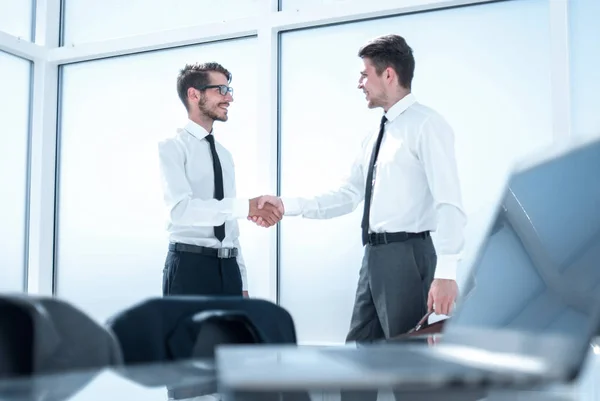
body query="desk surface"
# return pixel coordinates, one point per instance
(183, 380)
(196, 380)
(284, 368)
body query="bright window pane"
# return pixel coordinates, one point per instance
(112, 241)
(585, 66)
(16, 18)
(484, 68)
(14, 133)
(286, 5)
(92, 21)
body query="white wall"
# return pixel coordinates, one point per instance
(485, 67)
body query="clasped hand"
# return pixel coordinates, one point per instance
(266, 210)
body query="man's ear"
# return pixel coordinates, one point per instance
(191, 94)
(389, 74)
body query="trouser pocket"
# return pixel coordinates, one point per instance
(169, 272)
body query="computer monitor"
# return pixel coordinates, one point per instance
(537, 269)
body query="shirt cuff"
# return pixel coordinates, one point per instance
(446, 267)
(292, 206)
(240, 208)
(244, 280)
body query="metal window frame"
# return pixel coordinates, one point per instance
(48, 56)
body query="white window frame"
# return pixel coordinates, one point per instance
(47, 57)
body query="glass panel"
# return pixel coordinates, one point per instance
(92, 21)
(16, 18)
(584, 49)
(15, 82)
(297, 5)
(492, 84)
(111, 234)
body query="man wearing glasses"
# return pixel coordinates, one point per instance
(198, 181)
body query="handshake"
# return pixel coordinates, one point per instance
(266, 210)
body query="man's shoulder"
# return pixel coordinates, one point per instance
(176, 143)
(177, 138)
(428, 119)
(424, 112)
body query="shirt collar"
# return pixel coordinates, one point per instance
(196, 130)
(400, 106)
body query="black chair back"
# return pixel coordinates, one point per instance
(43, 335)
(176, 328)
(16, 341)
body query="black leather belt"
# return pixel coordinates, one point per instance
(221, 253)
(386, 238)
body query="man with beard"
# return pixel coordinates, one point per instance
(406, 174)
(198, 181)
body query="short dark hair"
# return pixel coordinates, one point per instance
(196, 76)
(391, 51)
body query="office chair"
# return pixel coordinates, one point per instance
(178, 335)
(42, 335)
(183, 327)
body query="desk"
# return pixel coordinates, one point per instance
(244, 370)
(184, 380)
(196, 380)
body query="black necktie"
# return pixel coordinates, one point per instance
(369, 184)
(219, 230)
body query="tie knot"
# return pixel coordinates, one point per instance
(383, 120)
(210, 138)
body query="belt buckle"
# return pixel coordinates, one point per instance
(379, 239)
(224, 253)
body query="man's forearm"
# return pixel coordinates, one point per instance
(211, 212)
(325, 206)
(450, 241)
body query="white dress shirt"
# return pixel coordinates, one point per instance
(188, 185)
(416, 183)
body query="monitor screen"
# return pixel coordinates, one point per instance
(538, 269)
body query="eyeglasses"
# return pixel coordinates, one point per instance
(223, 89)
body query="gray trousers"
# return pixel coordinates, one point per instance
(392, 290)
(391, 295)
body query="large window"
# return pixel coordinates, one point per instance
(16, 18)
(112, 241)
(286, 5)
(485, 68)
(92, 21)
(15, 82)
(584, 47)
(301, 5)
